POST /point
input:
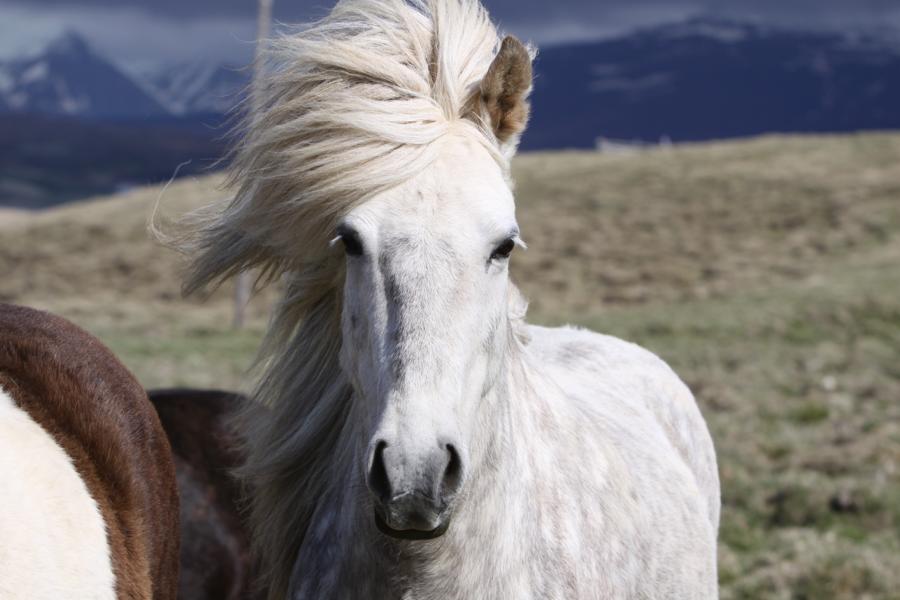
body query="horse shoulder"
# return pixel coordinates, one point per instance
(584, 360)
(54, 538)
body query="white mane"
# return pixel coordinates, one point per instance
(592, 471)
(351, 106)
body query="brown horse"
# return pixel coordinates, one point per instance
(88, 499)
(215, 549)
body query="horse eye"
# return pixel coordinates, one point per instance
(502, 251)
(352, 244)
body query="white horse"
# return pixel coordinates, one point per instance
(419, 440)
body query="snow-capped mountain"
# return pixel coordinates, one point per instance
(714, 78)
(698, 79)
(695, 80)
(196, 88)
(69, 78)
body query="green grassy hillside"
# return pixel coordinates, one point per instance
(767, 272)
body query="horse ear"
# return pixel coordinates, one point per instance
(505, 88)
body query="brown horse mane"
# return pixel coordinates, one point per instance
(215, 544)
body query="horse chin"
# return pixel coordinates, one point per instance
(411, 534)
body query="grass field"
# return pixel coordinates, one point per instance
(767, 272)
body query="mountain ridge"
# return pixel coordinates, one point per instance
(69, 78)
(707, 79)
(693, 80)
(686, 80)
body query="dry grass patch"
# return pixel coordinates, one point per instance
(765, 271)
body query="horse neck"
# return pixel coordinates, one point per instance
(520, 429)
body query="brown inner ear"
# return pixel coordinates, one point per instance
(505, 88)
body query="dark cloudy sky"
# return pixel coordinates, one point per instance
(138, 32)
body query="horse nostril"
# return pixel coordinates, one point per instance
(378, 477)
(452, 474)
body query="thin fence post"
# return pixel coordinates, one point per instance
(244, 280)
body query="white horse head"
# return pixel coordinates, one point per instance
(403, 393)
(425, 326)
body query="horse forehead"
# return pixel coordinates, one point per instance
(418, 261)
(428, 252)
(441, 222)
(463, 187)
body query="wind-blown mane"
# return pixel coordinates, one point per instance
(351, 106)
